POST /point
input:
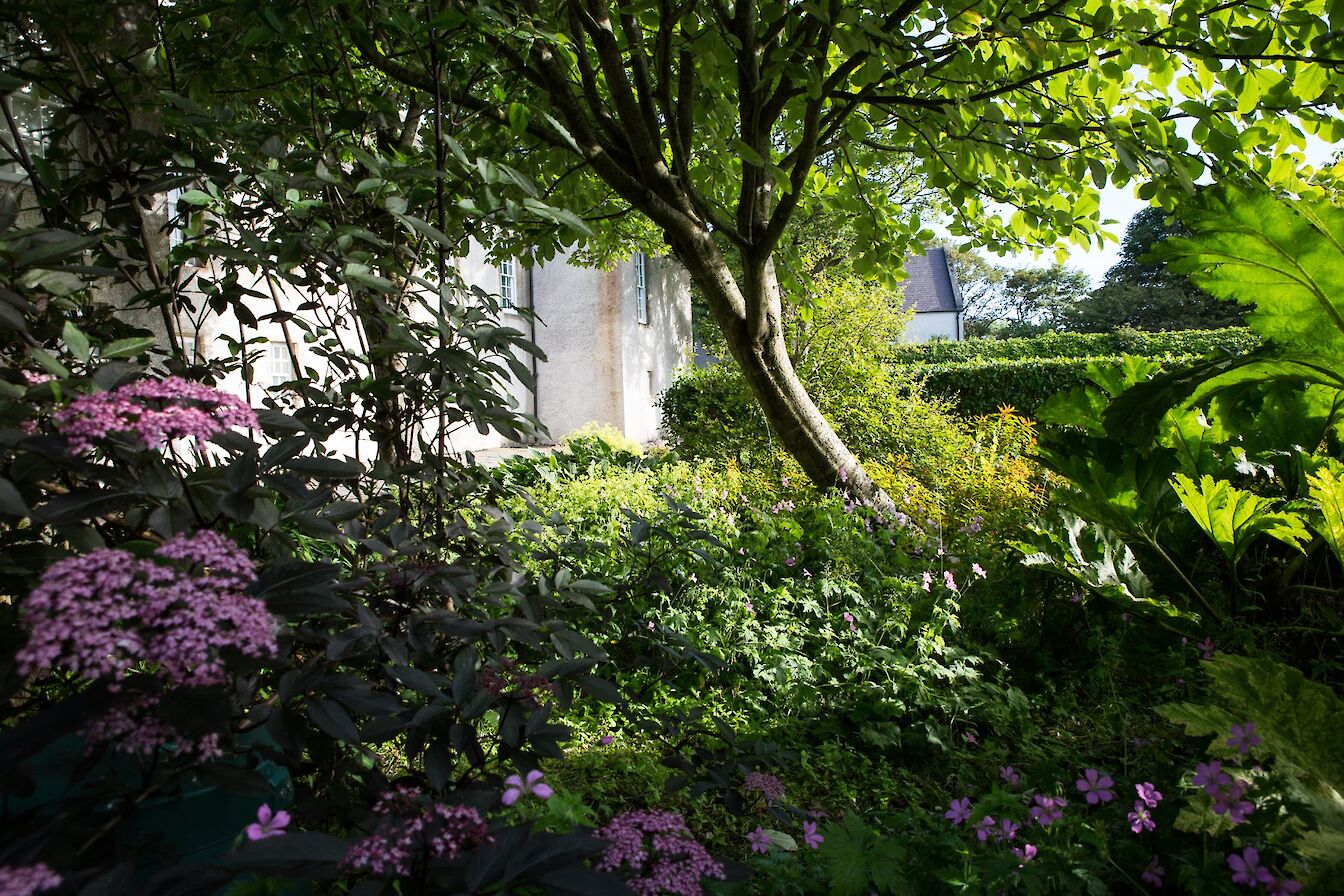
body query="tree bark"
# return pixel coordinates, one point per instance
(758, 346)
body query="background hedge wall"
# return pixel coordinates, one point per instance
(1080, 345)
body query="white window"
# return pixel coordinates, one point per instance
(33, 116)
(279, 366)
(642, 287)
(508, 283)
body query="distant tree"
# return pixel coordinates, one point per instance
(1022, 301)
(1142, 294)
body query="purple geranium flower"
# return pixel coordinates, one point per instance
(983, 828)
(958, 811)
(759, 840)
(1284, 887)
(1140, 819)
(1047, 809)
(1246, 868)
(1210, 776)
(1148, 794)
(1243, 738)
(1094, 785)
(1227, 801)
(516, 787)
(1026, 852)
(268, 824)
(1009, 775)
(810, 835)
(1152, 875)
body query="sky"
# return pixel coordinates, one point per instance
(1118, 204)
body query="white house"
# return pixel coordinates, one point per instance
(932, 292)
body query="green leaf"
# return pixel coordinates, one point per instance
(75, 340)
(128, 348)
(1234, 518)
(1327, 489)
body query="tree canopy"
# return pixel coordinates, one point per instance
(1143, 293)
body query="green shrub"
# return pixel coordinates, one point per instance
(1234, 340)
(980, 387)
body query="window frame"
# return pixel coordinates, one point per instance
(642, 288)
(508, 283)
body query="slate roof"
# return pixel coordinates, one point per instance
(930, 285)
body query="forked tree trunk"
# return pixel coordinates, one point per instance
(757, 343)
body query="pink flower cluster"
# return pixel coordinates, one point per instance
(99, 614)
(512, 682)
(133, 727)
(155, 411)
(766, 785)
(670, 861)
(25, 880)
(413, 830)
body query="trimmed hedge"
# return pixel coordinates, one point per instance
(1079, 345)
(983, 386)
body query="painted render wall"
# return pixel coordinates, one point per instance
(926, 326)
(653, 352)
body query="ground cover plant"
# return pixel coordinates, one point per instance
(1096, 652)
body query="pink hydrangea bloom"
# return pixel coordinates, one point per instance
(132, 726)
(154, 411)
(99, 614)
(656, 854)
(25, 880)
(413, 829)
(766, 785)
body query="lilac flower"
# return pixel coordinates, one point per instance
(516, 787)
(958, 811)
(1140, 819)
(133, 727)
(768, 786)
(979, 571)
(928, 580)
(849, 617)
(25, 880)
(1009, 775)
(412, 829)
(656, 854)
(1094, 786)
(1148, 794)
(100, 614)
(1283, 887)
(1047, 809)
(810, 835)
(1210, 776)
(1152, 875)
(1227, 801)
(1243, 738)
(1246, 868)
(268, 823)
(983, 828)
(1026, 852)
(155, 411)
(949, 581)
(1206, 648)
(759, 840)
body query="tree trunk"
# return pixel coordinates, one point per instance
(757, 343)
